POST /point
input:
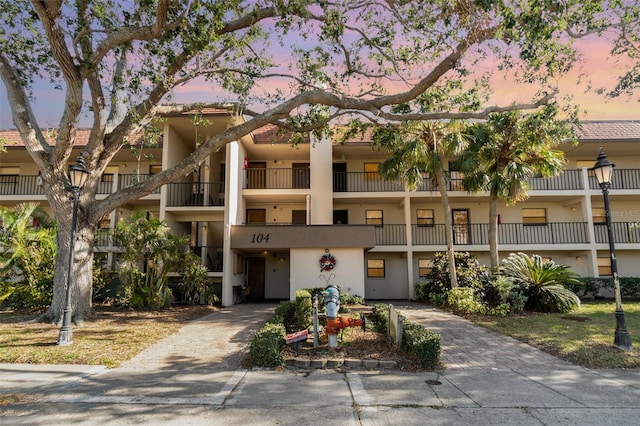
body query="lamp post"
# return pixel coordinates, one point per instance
(603, 169)
(78, 175)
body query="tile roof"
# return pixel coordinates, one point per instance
(269, 135)
(12, 137)
(609, 130)
(596, 130)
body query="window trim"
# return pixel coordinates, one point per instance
(530, 217)
(429, 266)
(425, 218)
(367, 219)
(371, 268)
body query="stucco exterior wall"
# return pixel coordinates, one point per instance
(347, 274)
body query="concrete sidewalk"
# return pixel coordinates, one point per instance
(195, 377)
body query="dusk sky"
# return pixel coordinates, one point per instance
(599, 67)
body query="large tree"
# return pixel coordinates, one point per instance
(118, 62)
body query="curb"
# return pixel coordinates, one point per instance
(346, 363)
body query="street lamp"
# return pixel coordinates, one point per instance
(78, 175)
(603, 169)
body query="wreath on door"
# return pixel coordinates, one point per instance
(327, 262)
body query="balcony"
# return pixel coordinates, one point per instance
(569, 180)
(364, 182)
(195, 194)
(508, 233)
(20, 185)
(277, 178)
(623, 232)
(29, 184)
(622, 179)
(387, 235)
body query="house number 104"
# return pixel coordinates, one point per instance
(259, 238)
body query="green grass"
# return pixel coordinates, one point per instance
(583, 337)
(109, 337)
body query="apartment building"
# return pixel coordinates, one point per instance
(271, 218)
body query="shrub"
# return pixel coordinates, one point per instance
(469, 271)
(543, 282)
(507, 293)
(285, 314)
(267, 346)
(316, 291)
(465, 300)
(303, 309)
(422, 343)
(355, 300)
(379, 317)
(423, 290)
(438, 299)
(629, 286)
(500, 311)
(589, 285)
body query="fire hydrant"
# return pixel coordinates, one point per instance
(335, 323)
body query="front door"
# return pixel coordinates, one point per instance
(255, 277)
(339, 177)
(461, 226)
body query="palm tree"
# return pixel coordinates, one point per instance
(417, 148)
(544, 282)
(505, 152)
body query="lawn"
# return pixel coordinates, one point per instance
(584, 337)
(110, 337)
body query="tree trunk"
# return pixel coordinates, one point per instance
(81, 277)
(493, 233)
(442, 186)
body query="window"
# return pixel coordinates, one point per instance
(424, 217)
(155, 169)
(424, 267)
(105, 223)
(372, 171)
(375, 268)
(599, 216)
(604, 266)
(534, 216)
(374, 217)
(107, 176)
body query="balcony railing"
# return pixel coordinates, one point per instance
(199, 194)
(622, 179)
(390, 235)
(31, 185)
(127, 180)
(275, 178)
(363, 182)
(508, 233)
(373, 182)
(211, 256)
(20, 185)
(567, 180)
(623, 232)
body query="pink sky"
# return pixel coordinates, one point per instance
(598, 66)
